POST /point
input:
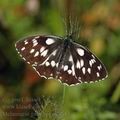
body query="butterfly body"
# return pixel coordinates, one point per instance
(61, 58)
(65, 45)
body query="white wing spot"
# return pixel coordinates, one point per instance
(32, 50)
(24, 58)
(70, 58)
(82, 62)
(53, 63)
(54, 52)
(83, 70)
(99, 67)
(89, 70)
(79, 79)
(26, 42)
(36, 54)
(35, 63)
(90, 63)
(69, 71)
(65, 67)
(78, 64)
(56, 64)
(50, 41)
(44, 53)
(42, 49)
(94, 60)
(20, 55)
(51, 74)
(23, 48)
(47, 63)
(73, 70)
(34, 40)
(80, 51)
(98, 75)
(35, 43)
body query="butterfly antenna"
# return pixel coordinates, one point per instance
(71, 25)
(74, 28)
(78, 27)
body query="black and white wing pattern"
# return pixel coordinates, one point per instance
(42, 53)
(48, 56)
(81, 66)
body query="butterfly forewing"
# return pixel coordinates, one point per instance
(92, 68)
(41, 52)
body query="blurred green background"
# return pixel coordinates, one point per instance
(26, 96)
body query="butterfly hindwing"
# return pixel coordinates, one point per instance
(49, 67)
(67, 72)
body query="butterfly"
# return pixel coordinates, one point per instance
(62, 59)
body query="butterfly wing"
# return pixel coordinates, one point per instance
(42, 52)
(81, 66)
(67, 70)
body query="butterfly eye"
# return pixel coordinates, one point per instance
(67, 61)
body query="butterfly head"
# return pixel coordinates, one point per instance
(68, 40)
